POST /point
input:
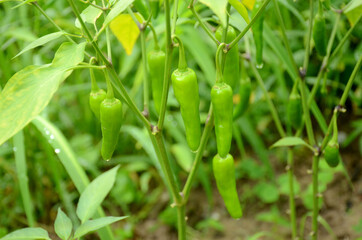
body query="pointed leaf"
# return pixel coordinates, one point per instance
(126, 31)
(218, 7)
(291, 141)
(27, 234)
(94, 194)
(92, 225)
(241, 9)
(63, 225)
(29, 91)
(40, 41)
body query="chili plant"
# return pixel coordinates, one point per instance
(239, 58)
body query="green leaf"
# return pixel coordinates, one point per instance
(267, 192)
(183, 156)
(94, 194)
(93, 225)
(29, 91)
(218, 7)
(291, 141)
(89, 15)
(40, 41)
(63, 225)
(117, 9)
(241, 9)
(27, 234)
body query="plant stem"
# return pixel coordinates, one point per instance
(202, 24)
(290, 169)
(157, 47)
(181, 222)
(315, 198)
(182, 64)
(309, 36)
(205, 136)
(245, 30)
(219, 75)
(174, 17)
(167, 168)
(166, 79)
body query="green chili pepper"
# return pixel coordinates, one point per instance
(111, 121)
(294, 109)
(258, 33)
(155, 7)
(224, 172)
(244, 93)
(96, 96)
(319, 33)
(156, 64)
(222, 102)
(331, 153)
(186, 91)
(231, 66)
(141, 7)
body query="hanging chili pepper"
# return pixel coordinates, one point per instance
(224, 172)
(331, 153)
(222, 102)
(186, 91)
(111, 121)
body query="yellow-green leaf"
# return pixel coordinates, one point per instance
(248, 3)
(126, 31)
(241, 9)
